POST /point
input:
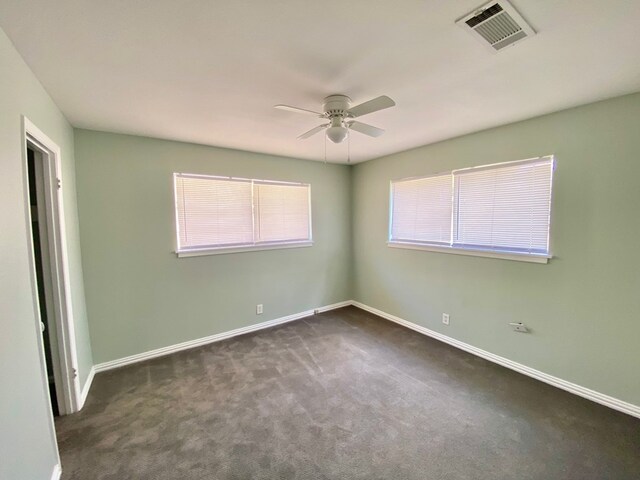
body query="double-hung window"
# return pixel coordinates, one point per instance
(500, 210)
(226, 214)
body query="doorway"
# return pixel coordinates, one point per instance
(50, 281)
(43, 272)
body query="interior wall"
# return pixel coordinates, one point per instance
(583, 306)
(140, 296)
(26, 443)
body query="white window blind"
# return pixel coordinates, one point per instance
(502, 208)
(222, 212)
(213, 211)
(421, 210)
(282, 212)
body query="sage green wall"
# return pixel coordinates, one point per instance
(583, 307)
(26, 442)
(140, 296)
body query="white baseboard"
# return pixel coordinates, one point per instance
(334, 306)
(57, 472)
(159, 352)
(587, 393)
(87, 386)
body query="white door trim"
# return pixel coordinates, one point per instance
(63, 309)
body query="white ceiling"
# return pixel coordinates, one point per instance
(208, 71)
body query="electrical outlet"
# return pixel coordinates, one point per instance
(259, 309)
(445, 318)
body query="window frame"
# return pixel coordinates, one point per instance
(238, 248)
(479, 252)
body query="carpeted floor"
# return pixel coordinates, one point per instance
(342, 395)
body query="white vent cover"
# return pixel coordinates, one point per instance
(496, 25)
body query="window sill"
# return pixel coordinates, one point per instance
(252, 248)
(520, 257)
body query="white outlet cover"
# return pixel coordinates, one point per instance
(259, 309)
(445, 318)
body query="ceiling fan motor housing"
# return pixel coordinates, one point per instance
(336, 106)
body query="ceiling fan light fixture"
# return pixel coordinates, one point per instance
(337, 134)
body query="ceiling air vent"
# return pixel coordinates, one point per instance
(497, 25)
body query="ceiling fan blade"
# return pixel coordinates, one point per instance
(298, 110)
(379, 103)
(366, 129)
(313, 131)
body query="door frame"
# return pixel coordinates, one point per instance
(68, 392)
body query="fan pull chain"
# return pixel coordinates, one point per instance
(348, 145)
(325, 148)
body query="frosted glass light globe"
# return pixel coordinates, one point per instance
(337, 134)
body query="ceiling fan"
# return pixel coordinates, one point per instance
(338, 111)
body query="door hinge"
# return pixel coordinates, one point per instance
(59, 183)
(74, 373)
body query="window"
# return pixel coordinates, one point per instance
(496, 210)
(223, 214)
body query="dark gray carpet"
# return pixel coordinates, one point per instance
(342, 395)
